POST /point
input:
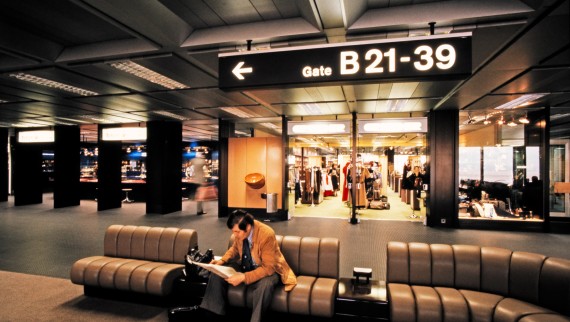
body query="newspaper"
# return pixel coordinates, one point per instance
(220, 270)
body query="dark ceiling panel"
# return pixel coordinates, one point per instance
(42, 109)
(60, 21)
(199, 98)
(316, 109)
(128, 103)
(541, 80)
(177, 114)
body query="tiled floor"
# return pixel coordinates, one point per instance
(41, 240)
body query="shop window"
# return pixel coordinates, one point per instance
(499, 177)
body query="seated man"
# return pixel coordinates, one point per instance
(260, 263)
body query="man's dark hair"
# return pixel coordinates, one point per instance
(241, 218)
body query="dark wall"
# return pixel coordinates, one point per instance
(444, 170)
(66, 166)
(163, 163)
(3, 164)
(109, 193)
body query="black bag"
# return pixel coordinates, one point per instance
(193, 272)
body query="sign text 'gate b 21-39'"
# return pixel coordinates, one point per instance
(411, 59)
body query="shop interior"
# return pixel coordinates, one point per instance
(321, 172)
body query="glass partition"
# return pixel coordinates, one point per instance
(499, 172)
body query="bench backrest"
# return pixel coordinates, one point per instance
(310, 256)
(149, 243)
(526, 276)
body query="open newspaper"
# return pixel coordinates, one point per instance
(220, 270)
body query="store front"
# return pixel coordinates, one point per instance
(322, 178)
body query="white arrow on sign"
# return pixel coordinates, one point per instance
(238, 70)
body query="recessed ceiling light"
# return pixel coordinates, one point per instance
(53, 84)
(147, 74)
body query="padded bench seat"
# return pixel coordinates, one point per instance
(139, 259)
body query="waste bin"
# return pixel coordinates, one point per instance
(271, 203)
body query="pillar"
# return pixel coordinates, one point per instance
(66, 166)
(164, 164)
(109, 193)
(443, 148)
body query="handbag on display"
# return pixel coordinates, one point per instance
(193, 272)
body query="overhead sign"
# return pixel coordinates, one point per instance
(318, 127)
(393, 125)
(418, 58)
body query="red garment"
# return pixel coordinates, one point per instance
(345, 184)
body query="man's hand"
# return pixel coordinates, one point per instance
(217, 262)
(236, 279)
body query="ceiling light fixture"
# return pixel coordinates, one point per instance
(147, 74)
(512, 122)
(520, 101)
(171, 115)
(486, 122)
(524, 120)
(501, 121)
(53, 84)
(238, 112)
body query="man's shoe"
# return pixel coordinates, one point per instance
(185, 313)
(201, 213)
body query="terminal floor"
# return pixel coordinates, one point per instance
(41, 240)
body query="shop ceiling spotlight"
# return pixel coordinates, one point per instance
(524, 120)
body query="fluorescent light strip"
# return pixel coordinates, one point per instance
(171, 115)
(53, 84)
(147, 74)
(270, 126)
(2, 101)
(520, 101)
(237, 112)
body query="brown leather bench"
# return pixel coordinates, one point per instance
(441, 282)
(138, 259)
(315, 261)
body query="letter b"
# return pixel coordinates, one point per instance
(349, 62)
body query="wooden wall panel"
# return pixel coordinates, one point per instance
(274, 165)
(256, 162)
(248, 155)
(236, 172)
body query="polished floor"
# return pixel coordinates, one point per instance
(41, 240)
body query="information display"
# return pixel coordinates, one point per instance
(419, 58)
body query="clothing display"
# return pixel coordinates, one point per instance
(345, 191)
(312, 192)
(357, 177)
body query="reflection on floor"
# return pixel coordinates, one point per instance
(333, 207)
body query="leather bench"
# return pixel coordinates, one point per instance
(315, 261)
(440, 282)
(137, 259)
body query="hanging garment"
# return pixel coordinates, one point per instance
(345, 191)
(358, 180)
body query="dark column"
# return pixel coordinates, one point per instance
(285, 170)
(66, 166)
(3, 164)
(109, 194)
(537, 134)
(163, 164)
(353, 219)
(443, 147)
(28, 186)
(226, 130)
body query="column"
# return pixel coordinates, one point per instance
(443, 127)
(109, 193)
(164, 164)
(226, 130)
(28, 186)
(66, 166)
(3, 164)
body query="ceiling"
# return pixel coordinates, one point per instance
(519, 48)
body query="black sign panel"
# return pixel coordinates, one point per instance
(422, 58)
